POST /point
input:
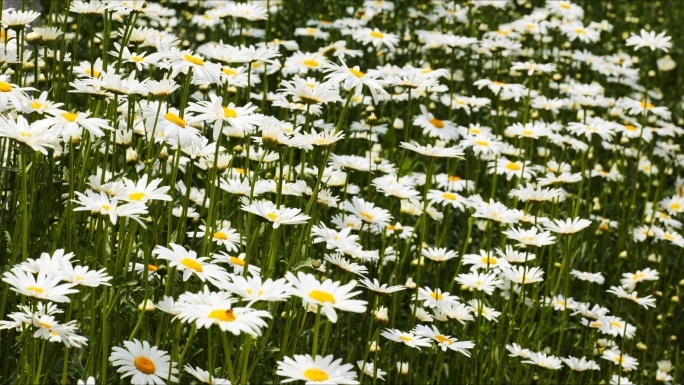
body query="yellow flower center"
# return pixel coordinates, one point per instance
(443, 339)
(237, 261)
(222, 315)
(311, 31)
(406, 338)
(377, 34)
(454, 178)
(498, 83)
(646, 105)
(366, 215)
(25, 134)
(580, 31)
(70, 116)
(95, 73)
(436, 296)
(564, 5)
(45, 324)
(317, 375)
(229, 71)
(228, 113)
(637, 276)
(220, 235)
(136, 196)
(491, 261)
(36, 105)
(144, 365)
(310, 63)
(482, 143)
(272, 216)
(449, 196)
(437, 123)
(527, 132)
(152, 267)
(191, 264)
(630, 127)
(175, 119)
(194, 60)
(675, 206)
(322, 296)
(668, 237)
(239, 170)
(357, 73)
(137, 58)
(513, 166)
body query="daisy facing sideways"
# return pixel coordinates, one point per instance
(278, 216)
(321, 370)
(327, 294)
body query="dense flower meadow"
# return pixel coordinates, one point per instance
(340, 192)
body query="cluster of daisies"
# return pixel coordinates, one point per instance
(234, 197)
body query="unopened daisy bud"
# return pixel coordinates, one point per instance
(371, 118)
(641, 346)
(164, 153)
(681, 283)
(232, 90)
(381, 315)
(204, 88)
(542, 152)
(377, 160)
(148, 305)
(370, 109)
(34, 38)
(673, 338)
(557, 264)
(316, 264)
(557, 77)
(398, 229)
(597, 205)
(623, 254)
(659, 293)
(410, 284)
(403, 368)
(238, 148)
(398, 124)
(131, 155)
(601, 342)
(374, 347)
(416, 261)
(659, 317)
